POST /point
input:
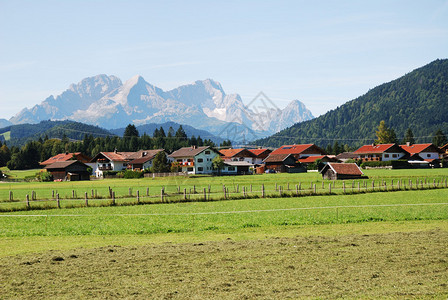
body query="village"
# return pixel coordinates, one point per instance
(206, 160)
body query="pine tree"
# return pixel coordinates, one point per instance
(439, 138)
(409, 137)
(130, 131)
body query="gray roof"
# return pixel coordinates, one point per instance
(64, 164)
(189, 151)
(238, 163)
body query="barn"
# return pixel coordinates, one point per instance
(341, 171)
(71, 170)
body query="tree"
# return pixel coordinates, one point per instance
(439, 138)
(409, 137)
(130, 131)
(5, 155)
(226, 143)
(218, 164)
(385, 135)
(160, 163)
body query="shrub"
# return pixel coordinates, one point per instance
(45, 176)
(376, 164)
(128, 174)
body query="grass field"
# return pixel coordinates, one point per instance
(368, 245)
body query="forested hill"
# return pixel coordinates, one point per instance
(418, 100)
(18, 135)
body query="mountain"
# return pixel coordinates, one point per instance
(18, 135)
(105, 101)
(4, 123)
(417, 100)
(189, 130)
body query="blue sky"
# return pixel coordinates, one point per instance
(323, 53)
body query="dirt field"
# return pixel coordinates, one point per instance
(396, 265)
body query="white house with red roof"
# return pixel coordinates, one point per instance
(381, 152)
(427, 152)
(260, 155)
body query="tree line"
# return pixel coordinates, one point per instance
(33, 152)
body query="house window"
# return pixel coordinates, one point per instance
(200, 169)
(231, 168)
(190, 169)
(207, 152)
(179, 160)
(386, 155)
(200, 160)
(395, 155)
(428, 155)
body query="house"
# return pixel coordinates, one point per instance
(300, 151)
(423, 152)
(381, 152)
(195, 160)
(341, 171)
(444, 150)
(260, 155)
(282, 163)
(120, 161)
(237, 161)
(65, 157)
(70, 170)
(142, 159)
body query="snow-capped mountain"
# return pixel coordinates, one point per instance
(107, 102)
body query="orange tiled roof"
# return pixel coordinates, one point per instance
(59, 157)
(417, 148)
(311, 159)
(373, 148)
(257, 152)
(293, 149)
(230, 152)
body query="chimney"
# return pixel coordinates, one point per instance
(66, 153)
(144, 154)
(408, 144)
(115, 150)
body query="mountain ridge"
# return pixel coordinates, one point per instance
(416, 100)
(105, 101)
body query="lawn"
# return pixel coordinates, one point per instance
(367, 245)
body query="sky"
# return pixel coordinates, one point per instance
(323, 53)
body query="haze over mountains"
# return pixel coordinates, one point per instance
(107, 102)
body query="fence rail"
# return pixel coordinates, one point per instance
(196, 194)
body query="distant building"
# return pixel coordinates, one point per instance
(65, 157)
(283, 163)
(260, 155)
(195, 160)
(381, 152)
(70, 170)
(341, 171)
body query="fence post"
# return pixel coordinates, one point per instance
(85, 198)
(300, 186)
(138, 196)
(185, 194)
(161, 195)
(93, 195)
(225, 193)
(194, 189)
(113, 198)
(329, 188)
(237, 188)
(297, 189)
(11, 196)
(147, 191)
(276, 189)
(359, 187)
(58, 201)
(343, 187)
(251, 187)
(27, 201)
(52, 195)
(262, 190)
(434, 183)
(314, 186)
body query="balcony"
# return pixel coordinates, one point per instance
(106, 168)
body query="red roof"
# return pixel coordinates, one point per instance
(295, 149)
(63, 157)
(373, 148)
(257, 152)
(311, 159)
(418, 148)
(230, 152)
(347, 169)
(117, 156)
